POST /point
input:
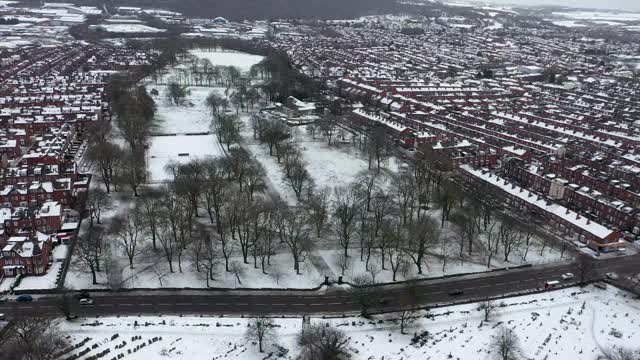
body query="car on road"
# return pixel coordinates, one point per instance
(3, 299)
(86, 301)
(24, 298)
(612, 275)
(456, 292)
(551, 284)
(567, 276)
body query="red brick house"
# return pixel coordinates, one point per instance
(26, 255)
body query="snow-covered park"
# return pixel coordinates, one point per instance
(184, 134)
(242, 61)
(574, 323)
(188, 126)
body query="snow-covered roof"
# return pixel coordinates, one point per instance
(558, 210)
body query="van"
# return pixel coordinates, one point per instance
(551, 284)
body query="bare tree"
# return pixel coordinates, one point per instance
(275, 133)
(397, 239)
(424, 234)
(328, 128)
(619, 353)
(216, 103)
(177, 93)
(108, 158)
(293, 229)
(403, 190)
(492, 241)
(505, 344)
(214, 190)
(465, 230)
(407, 316)
(446, 197)
(133, 169)
(378, 148)
(128, 232)
(365, 293)
(253, 180)
(299, 179)
(237, 163)
(209, 260)
(445, 248)
(90, 252)
(150, 207)
(189, 181)
(36, 337)
(237, 270)
(98, 201)
(167, 242)
(368, 183)
(381, 207)
(260, 330)
(322, 342)
(510, 236)
(346, 207)
(227, 129)
(264, 246)
(317, 208)
(488, 307)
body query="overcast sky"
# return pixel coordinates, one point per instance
(632, 5)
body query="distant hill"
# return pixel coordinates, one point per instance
(259, 9)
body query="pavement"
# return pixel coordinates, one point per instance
(327, 301)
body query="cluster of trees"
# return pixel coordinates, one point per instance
(279, 138)
(9, 21)
(33, 337)
(317, 341)
(134, 111)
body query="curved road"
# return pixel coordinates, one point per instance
(330, 301)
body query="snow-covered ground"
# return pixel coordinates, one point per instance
(183, 119)
(242, 61)
(599, 15)
(279, 275)
(182, 148)
(46, 281)
(565, 324)
(335, 165)
(129, 28)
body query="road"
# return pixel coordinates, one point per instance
(333, 301)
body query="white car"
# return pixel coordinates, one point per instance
(567, 276)
(86, 301)
(612, 275)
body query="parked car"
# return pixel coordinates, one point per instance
(24, 298)
(3, 299)
(612, 275)
(567, 276)
(86, 301)
(457, 292)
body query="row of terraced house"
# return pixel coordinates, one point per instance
(50, 98)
